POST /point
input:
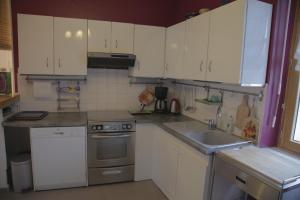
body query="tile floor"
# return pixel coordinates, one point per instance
(143, 190)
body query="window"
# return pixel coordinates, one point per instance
(296, 136)
(290, 138)
(5, 25)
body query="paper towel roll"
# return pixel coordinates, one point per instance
(42, 89)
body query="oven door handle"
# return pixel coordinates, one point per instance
(109, 136)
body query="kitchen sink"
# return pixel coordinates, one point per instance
(213, 138)
(201, 137)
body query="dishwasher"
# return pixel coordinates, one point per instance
(253, 173)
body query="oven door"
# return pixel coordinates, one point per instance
(111, 150)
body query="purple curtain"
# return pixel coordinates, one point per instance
(282, 28)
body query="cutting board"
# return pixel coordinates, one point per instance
(251, 125)
(243, 112)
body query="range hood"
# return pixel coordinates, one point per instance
(110, 60)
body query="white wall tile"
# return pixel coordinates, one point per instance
(104, 90)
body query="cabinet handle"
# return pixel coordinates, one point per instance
(47, 62)
(209, 66)
(59, 133)
(116, 44)
(59, 63)
(201, 65)
(105, 43)
(166, 67)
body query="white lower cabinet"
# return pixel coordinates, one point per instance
(165, 159)
(192, 174)
(180, 171)
(143, 151)
(58, 157)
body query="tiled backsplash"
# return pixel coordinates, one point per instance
(103, 90)
(110, 90)
(230, 103)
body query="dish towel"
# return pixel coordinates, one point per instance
(42, 89)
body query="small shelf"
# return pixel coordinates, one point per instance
(207, 102)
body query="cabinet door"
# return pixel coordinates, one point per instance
(165, 159)
(35, 41)
(174, 50)
(143, 151)
(192, 174)
(196, 45)
(149, 48)
(99, 36)
(122, 37)
(58, 157)
(70, 46)
(226, 42)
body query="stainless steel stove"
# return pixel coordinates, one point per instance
(111, 141)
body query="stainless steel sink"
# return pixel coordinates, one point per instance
(207, 140)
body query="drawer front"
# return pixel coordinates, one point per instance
(58, 132)
(244, 181)
(110, 175)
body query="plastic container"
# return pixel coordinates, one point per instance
(21, 173)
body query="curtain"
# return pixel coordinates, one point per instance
(5, 25)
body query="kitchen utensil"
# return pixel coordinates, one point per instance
(191, 14)
(243, 112)
(146, 97)
(251, 124)
(175, 106)
(203, 10)
(28, 116)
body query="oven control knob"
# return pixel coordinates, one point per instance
(93, 127)
(124, 126)
(128, 126)
(99, 127)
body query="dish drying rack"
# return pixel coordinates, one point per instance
(68, 97)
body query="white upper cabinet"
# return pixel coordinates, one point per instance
(99, 36)
(149, 48)
(195, 49)
(70, 46)
(174, 50)
(226, 42)
(35, 41)
(52, 46)
(238, 42)
(122, 37)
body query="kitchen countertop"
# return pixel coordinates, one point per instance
(159, 119)
(65, 119)
(53, 119)
(6, 100)
(165, 121)
(274, 165)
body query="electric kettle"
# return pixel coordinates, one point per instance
(175, 106)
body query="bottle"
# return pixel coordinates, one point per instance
(229, 125)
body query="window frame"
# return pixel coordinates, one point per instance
(292, 95)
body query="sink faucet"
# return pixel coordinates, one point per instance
(213, 123)
(219, 110)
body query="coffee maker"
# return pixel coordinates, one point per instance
(161, 94)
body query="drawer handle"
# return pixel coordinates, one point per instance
(114, 172)
(59, 133)
(240, 180)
